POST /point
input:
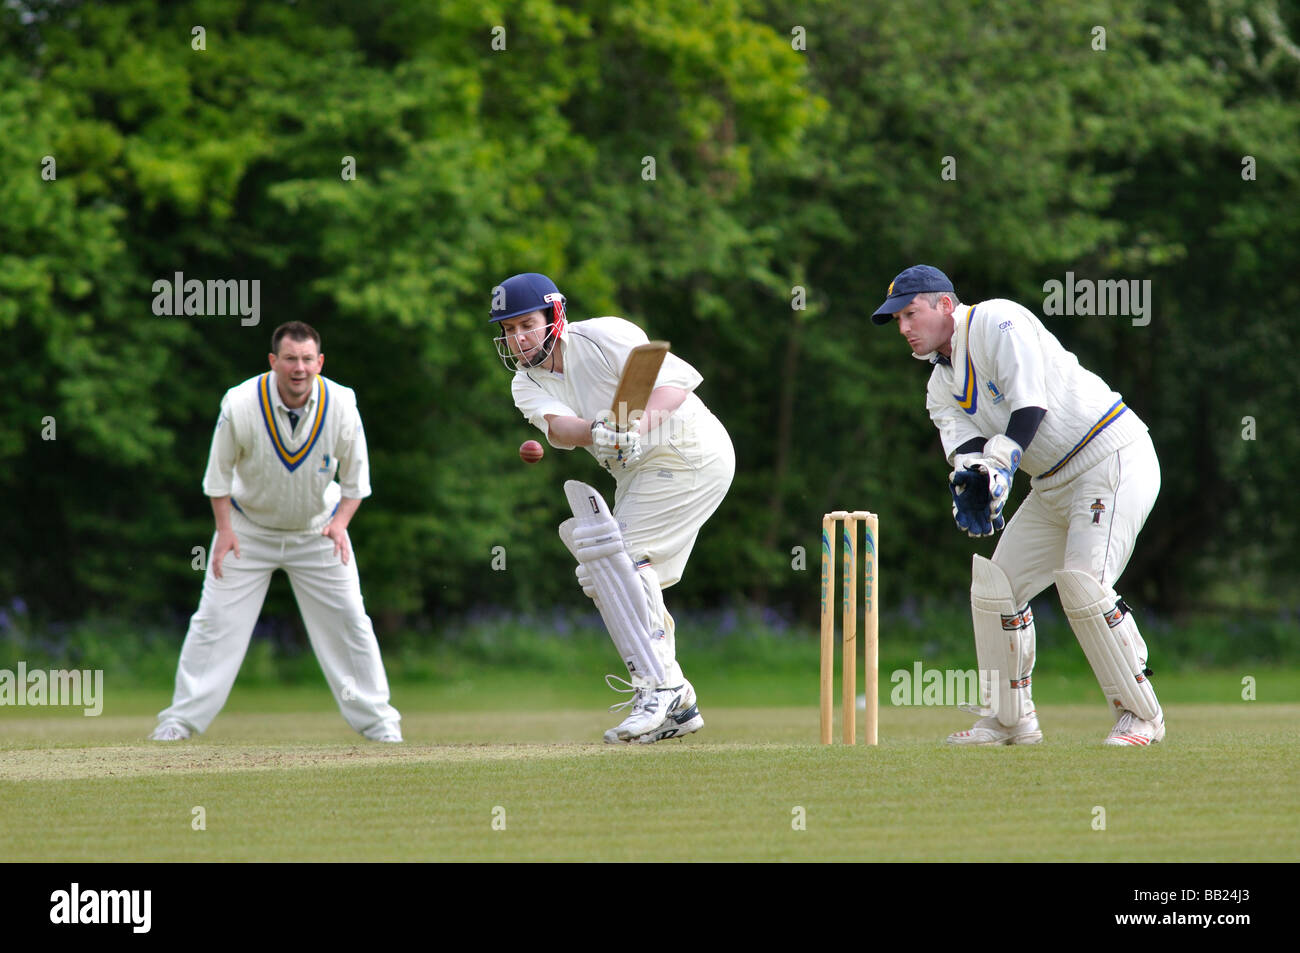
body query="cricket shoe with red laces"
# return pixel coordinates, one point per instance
(989, 731)
(1132, 731)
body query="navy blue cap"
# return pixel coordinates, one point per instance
(523, 294)
(910, 283)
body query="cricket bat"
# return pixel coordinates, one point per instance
(637, 382)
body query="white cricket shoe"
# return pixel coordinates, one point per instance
(683, 720)
(679, 725)
(389, 734)
(170, 732)
(1130, 730)
(650, 707)
(989, 731)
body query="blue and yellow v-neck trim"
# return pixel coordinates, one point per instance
(291, 459)
(968, 400)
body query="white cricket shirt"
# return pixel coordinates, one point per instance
(594, 354)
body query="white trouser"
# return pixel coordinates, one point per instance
(329, 597)
(662, 506)
(1089, 523)
(677, 486)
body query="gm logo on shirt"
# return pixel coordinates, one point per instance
(997, 394)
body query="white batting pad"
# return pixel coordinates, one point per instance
(609, 578)
(662, 642)
(1110, 639)
(1004, 643)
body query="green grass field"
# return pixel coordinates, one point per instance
(280, 777)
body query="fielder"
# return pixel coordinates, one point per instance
(280, 441)
(672, 469)
(1005, 394)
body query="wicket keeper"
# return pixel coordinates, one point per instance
(1006, 395)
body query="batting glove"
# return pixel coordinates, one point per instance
(614, 448)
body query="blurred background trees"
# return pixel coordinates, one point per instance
(794, 145)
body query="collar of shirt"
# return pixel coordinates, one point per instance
(959, 342)
(958, 338)
(306, 409)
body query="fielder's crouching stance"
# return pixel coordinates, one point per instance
(672, 469)
(281, 440)
(1004, 394)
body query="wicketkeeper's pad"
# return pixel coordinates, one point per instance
(1110, 639)
(1004, 643)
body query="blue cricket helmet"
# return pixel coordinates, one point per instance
(524, 294)
(521, 294)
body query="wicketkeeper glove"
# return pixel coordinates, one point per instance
(982, 488)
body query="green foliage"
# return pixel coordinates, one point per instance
(774, 168)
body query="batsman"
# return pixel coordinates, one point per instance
(1006, 396)
(600, 384)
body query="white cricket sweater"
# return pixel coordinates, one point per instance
(280, 478)
(1003, 359)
